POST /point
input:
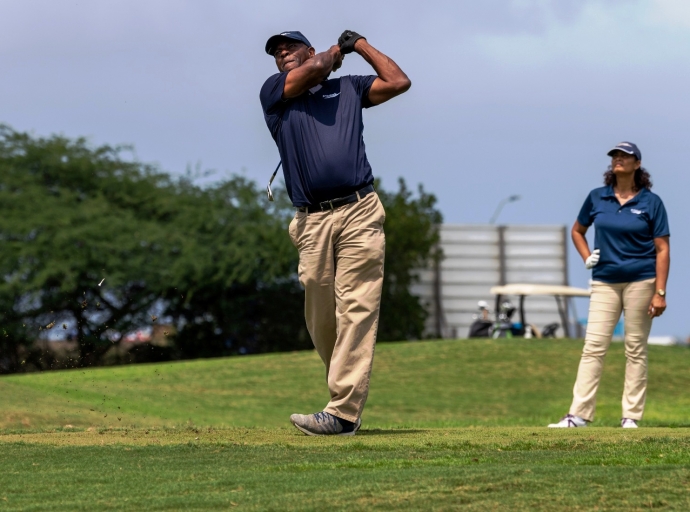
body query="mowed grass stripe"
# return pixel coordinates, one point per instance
(481, 468)
(416, 384)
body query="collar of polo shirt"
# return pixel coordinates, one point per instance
(611, 194)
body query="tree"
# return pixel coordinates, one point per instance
(70, 216)
(215, 262)
(412, 237)
(98, 244)
(238, 274)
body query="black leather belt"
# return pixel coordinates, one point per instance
(338, 202)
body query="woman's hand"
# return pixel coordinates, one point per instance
(657, 306)
(592, 259)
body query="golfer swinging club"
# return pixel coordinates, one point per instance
(316, 123)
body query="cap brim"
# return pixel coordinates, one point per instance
(621, 149)
(273, 41)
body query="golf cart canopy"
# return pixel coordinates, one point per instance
(539, 289)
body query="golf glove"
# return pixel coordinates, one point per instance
(592, 260)
(347, 41)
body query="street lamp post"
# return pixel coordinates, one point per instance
(510, 199)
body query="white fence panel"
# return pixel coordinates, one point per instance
(477, 257)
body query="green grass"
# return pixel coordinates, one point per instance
(448, 425)
(429, 384)
(486, 468)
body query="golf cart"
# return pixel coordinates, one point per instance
(503, 327)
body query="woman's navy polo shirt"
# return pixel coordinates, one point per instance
(624, 234)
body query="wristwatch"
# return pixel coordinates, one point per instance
(662, 293)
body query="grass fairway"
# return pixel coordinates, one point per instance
(448, 424)
(483, 468)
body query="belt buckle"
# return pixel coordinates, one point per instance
(326, 203)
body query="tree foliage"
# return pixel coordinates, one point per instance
(69, 216)
(412, 242)
(215, 262)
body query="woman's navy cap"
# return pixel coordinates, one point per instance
(293, 34)
(627, 147)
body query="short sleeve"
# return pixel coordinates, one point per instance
(362, 84)
(660, 220)
(272, 102)
(586, 216)
(271, 95)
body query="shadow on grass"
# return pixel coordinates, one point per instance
(389, 432)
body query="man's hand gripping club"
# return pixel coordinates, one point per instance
(391, 80)
(347, 41)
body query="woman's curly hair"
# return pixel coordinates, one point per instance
(642, 178)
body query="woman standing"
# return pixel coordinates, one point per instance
(629, 265)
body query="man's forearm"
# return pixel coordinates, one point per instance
(391, 80)
(312, 72)
(325, 61)
(386, 69)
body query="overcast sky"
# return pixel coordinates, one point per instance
(508, 96)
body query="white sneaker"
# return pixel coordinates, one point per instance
(628, 423)
(569, 421)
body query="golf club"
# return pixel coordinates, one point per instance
(269, 192)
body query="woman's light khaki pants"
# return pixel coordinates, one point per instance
(605, 306)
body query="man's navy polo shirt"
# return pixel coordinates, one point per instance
(624, 234)
(319, 137)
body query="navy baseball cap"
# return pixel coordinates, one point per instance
(292, 34)
(627, 147)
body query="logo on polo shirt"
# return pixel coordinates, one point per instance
(636, 212)
(328, 96)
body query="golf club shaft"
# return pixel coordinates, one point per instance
(275, 172)
(269, 192)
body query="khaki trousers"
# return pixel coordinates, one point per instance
(605, 306)
(341, 268)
